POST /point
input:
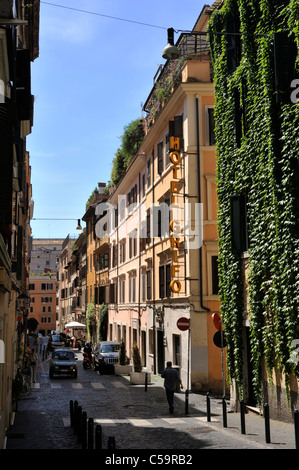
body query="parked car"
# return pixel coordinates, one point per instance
(63, 361)
(106, 355)
(56, 341)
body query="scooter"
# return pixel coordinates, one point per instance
(87, 364)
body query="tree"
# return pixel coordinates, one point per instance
(130, 141)
(103, 317)
(136, 359)
(122, 359)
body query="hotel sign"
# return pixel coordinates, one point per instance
(176, 186)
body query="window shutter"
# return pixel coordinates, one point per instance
(239, 228)
(168, 280)
(161, 282)
(233, 43)
(285, 52)
(148, 285)
(160, 157)
(23, 87)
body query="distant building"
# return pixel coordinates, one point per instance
(42, 291)
(45, 255)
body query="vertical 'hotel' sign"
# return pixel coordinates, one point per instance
(175, 188)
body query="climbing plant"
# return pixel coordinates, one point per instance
(90, 316)
(262, 164)
(103, 318)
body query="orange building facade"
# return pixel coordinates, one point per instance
(42, 291)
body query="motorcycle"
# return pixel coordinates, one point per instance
(87, 364)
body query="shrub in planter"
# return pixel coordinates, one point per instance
(136, 359)
(122, 358)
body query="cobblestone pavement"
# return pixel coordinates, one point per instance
(136, 418)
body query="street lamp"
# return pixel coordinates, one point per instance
(78, 221)
(170, 52)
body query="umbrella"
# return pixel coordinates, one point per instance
(75, 324)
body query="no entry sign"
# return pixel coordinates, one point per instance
(183, 324)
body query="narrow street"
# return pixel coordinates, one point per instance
(136, 418)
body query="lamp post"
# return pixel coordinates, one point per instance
(78, 221)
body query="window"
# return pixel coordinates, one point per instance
(168, 280)
(160, 157)
(47, 286)
(121, 291)
(149, 181)
(143, 287)
(167, 161)
(122, 252)
(143, 185)
(31, 286)
(148, 227)
(176, 350)
(151, 341)
(132, 196)
(132, 288)
(114, 256)
(239, 225)
(148, 285)
(233, 43)
(210, 126)
(215, 280)
(161, 282)
(133, 244)
(164, 281)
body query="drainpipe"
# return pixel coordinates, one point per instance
(153, 280)
(199, 201)
(139, 264)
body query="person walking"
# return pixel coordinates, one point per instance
(171, 377)
(33, 365)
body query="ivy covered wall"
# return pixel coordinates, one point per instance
(257, 133)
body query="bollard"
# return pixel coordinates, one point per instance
(267, 423)
(242, 414)
(79, 423)
(84, 430)
(98, 438)
(187, 402)
(72, 413)
(208, 407)
(146, 378)
(75, 416)
(90, 433)
(224, 417)
(111, 442)
(296, 423)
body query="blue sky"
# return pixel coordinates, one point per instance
(90, 80)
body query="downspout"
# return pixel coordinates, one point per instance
(154, 279)
(139, 265)
(199, 201)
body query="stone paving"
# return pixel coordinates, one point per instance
(136, 418)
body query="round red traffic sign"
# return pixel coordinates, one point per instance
(183, 324)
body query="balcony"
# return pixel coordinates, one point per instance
(193, 65)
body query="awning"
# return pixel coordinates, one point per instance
(75, 324)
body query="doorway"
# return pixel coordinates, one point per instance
(160, 351)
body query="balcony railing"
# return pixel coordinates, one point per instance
(192, 47)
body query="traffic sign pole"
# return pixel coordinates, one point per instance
(183, 324)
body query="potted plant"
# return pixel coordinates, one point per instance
(123, 367)
(137, 376)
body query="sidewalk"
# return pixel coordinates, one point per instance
(282, 435)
